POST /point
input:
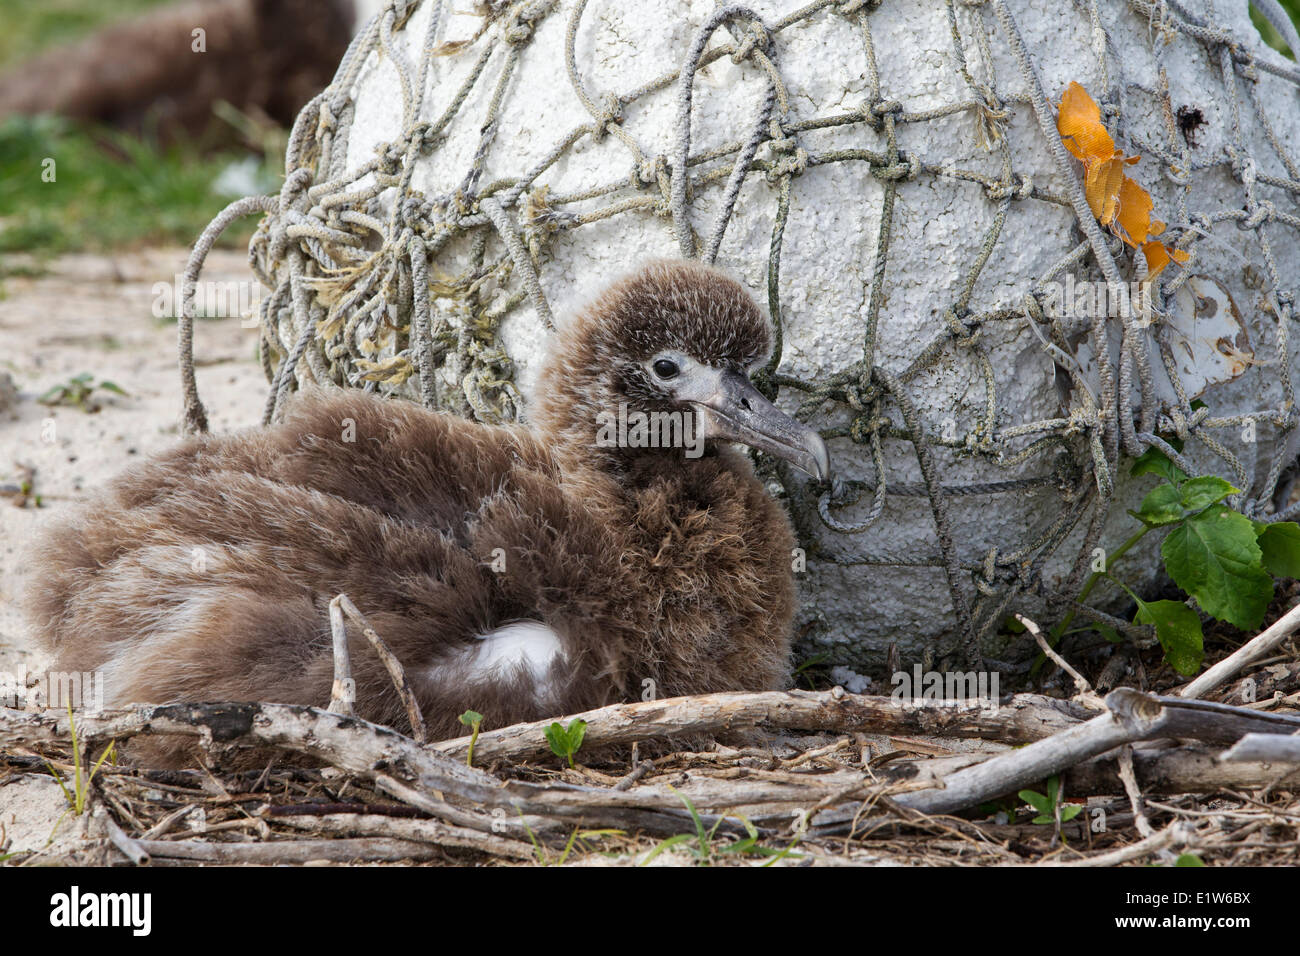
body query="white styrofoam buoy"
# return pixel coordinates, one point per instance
(916, 115)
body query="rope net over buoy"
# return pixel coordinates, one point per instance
(373, 283)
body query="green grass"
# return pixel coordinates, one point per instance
(31, 26)
(110, 189)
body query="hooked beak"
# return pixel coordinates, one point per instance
(736, 411)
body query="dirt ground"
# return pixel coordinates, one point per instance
(96, 314)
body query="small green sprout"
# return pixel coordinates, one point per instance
(1049, 803)
(78, 392)
(474, 720)
(565, 741)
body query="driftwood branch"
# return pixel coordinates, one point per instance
(474, 809)
(1195, 768)
(348, 743)
(1271, 748)
(408, 831)
(1132, 716)
(376, 753)
(290, 851)
(1027, 717)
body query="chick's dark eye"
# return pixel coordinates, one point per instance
(666, 368)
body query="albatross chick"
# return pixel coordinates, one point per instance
(519, 571)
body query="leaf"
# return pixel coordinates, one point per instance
(1108, 632)
(665, 844)
(1188, 859)
(557, 738)
(1036, 800)
(1163, 505)
(470, 718)
(1155, 462)
(1179, 631)
(577, 731)
(1214, 558)
(1070, 811)
(1280, 545)
(1200, 493)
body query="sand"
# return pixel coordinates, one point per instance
(96, 314)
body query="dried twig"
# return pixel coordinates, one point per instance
(1132, 716)
(343, 695)
(1080, 683)
(636, 773)
(1177, 835)
(1129, 779)
(394, 666)
(133, 850)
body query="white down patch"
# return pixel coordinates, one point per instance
(529, 646)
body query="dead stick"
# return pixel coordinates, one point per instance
(343, 695)
(1127, 776)
(1026, 717)
(373, 752)
(1189, 769)
(1080, 682)
(1132, 716)
(1178, 834)
(415, 831)
(291, 851)
(395, 670)
(1265, 747)
(129, 848)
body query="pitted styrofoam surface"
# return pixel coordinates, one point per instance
(829, 247)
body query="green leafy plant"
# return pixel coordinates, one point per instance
(701, 843)
(473, 720)
(1220, 558)
(78, 392)
(1188, 859)
(565, 741)
(1049, 805)
(113, 189)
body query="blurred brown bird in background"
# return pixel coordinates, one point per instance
(264, 57)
